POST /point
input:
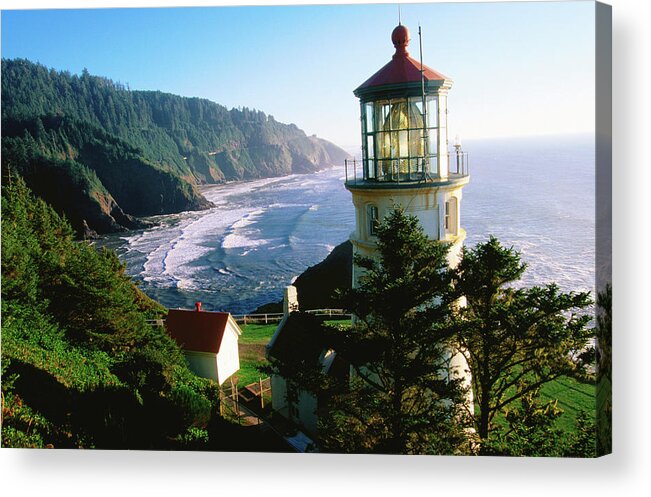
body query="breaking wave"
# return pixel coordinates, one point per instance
(262, 234)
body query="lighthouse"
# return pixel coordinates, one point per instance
(407, 163)
(406, 158)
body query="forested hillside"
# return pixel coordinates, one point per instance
(80, 365)
(102, 154)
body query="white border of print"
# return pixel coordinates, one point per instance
(626, 472)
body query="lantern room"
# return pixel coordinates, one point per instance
(404, 121)
(405, 156)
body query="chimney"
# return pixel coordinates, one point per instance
(197, 306)
(291, 300)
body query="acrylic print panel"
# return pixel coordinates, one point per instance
(379, 232)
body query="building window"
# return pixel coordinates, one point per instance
(372, 216)
(450, 217)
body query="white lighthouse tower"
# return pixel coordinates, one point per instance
(405, 156)
(406, 161)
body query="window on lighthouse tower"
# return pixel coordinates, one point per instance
(373, 219)
(450, 217)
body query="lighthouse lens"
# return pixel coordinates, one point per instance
(400, 142)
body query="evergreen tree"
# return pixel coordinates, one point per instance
(514, 340)
(604, 370)
(401, 398)
(80, 365)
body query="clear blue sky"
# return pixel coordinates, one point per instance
(518, 68)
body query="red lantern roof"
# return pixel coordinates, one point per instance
(402, 68)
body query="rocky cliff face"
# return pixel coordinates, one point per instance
(141, 152)
(316, 286)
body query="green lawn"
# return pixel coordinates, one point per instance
(573, 396)
(252, 344)
(257, 333)
(249, 373)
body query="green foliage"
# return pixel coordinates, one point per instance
(81, 367)
(533, 431)
(144, 150)
(401, 398)
(604, 332)
(194, 438)
(33, 338)
(514, 340)
(191, 408)
(400, 346)
(584, 441)
(22, 427)
(85, 172)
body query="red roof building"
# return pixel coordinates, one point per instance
(209, 341)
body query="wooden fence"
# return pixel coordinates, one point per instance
(257, 389)
(236, 402)
(271, 317)
(275, 317)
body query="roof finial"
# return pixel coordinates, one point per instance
(399, 20)
(400, 39)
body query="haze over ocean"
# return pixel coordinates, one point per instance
(536, 194)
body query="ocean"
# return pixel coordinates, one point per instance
(535, 194)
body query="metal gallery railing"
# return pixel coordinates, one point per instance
(458, 166)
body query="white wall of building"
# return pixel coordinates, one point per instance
(279, 394)
(306, 407)
(228, 358)
(217, 367)
(425, 203)
(202, 364)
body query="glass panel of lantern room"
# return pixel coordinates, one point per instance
(416, 112)
(369, 169)
(416, 144)
(416, 169)
(370, 150)
(416, 138)
(370, 158)
(399, 114)
(433, 163)
(433, 147)
(380, 146)
(392, 145)
(432, 112)
(403, 143)
(443, 136)
(369, 117)
(384, 116)
(384, 169)
(403, 153)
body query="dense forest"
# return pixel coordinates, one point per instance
(104, 155)
(81, 366)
